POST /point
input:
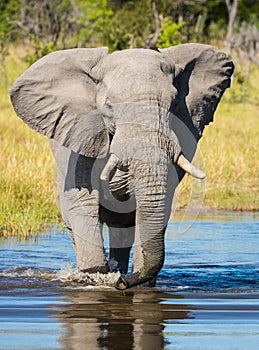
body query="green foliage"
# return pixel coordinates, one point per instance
(129, 26)
(8, 14)
(57, 24)
(116, 23)
(93, 22)
(248, 11)
(170, 33)
(197, 15)
(241, 89)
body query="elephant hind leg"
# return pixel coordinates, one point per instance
(121, 237)
(121, 241)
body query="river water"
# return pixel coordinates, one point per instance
(207, 295)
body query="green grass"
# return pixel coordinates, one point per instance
(229, 149)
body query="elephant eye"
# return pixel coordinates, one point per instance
(166, 68)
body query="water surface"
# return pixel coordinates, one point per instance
(207, 295)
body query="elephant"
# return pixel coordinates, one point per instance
(123, 128)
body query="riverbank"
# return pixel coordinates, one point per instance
(228, 152)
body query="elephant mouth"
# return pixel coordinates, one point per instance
(182, 162)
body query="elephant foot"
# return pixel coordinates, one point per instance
(95, 269)
(134, 280)
(121, 284)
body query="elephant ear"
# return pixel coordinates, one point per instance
(201, 81)
(56, 96)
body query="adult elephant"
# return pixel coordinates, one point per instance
(123, 126)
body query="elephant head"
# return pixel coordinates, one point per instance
(142, 111)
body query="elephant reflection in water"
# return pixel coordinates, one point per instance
(133, 119)
(104, 320)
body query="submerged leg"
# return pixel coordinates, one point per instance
(121, 241)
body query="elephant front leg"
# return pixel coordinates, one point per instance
(88, 245)
(121, 241)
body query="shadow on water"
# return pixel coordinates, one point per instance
(207, 296)
(155, 320)
(105, 320)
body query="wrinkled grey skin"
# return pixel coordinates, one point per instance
(145, 107)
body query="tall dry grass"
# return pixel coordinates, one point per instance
(27, 199)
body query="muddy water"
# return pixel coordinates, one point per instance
(207, 295)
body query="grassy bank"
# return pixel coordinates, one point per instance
(229, 150)
(27, 198)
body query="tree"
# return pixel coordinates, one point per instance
(246, 46)
(243, 34)
(47, 24)
(95, 22)
(232, 7)
(8, 10)
(140, 24)
(131, 25)
(55, 24)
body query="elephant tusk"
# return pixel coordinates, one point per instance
(110, 165)
(184, 163)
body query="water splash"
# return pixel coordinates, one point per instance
(66, 277)
(75, 277)
(27, 273)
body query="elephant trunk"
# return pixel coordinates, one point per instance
(153, 194)
(152, 264)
